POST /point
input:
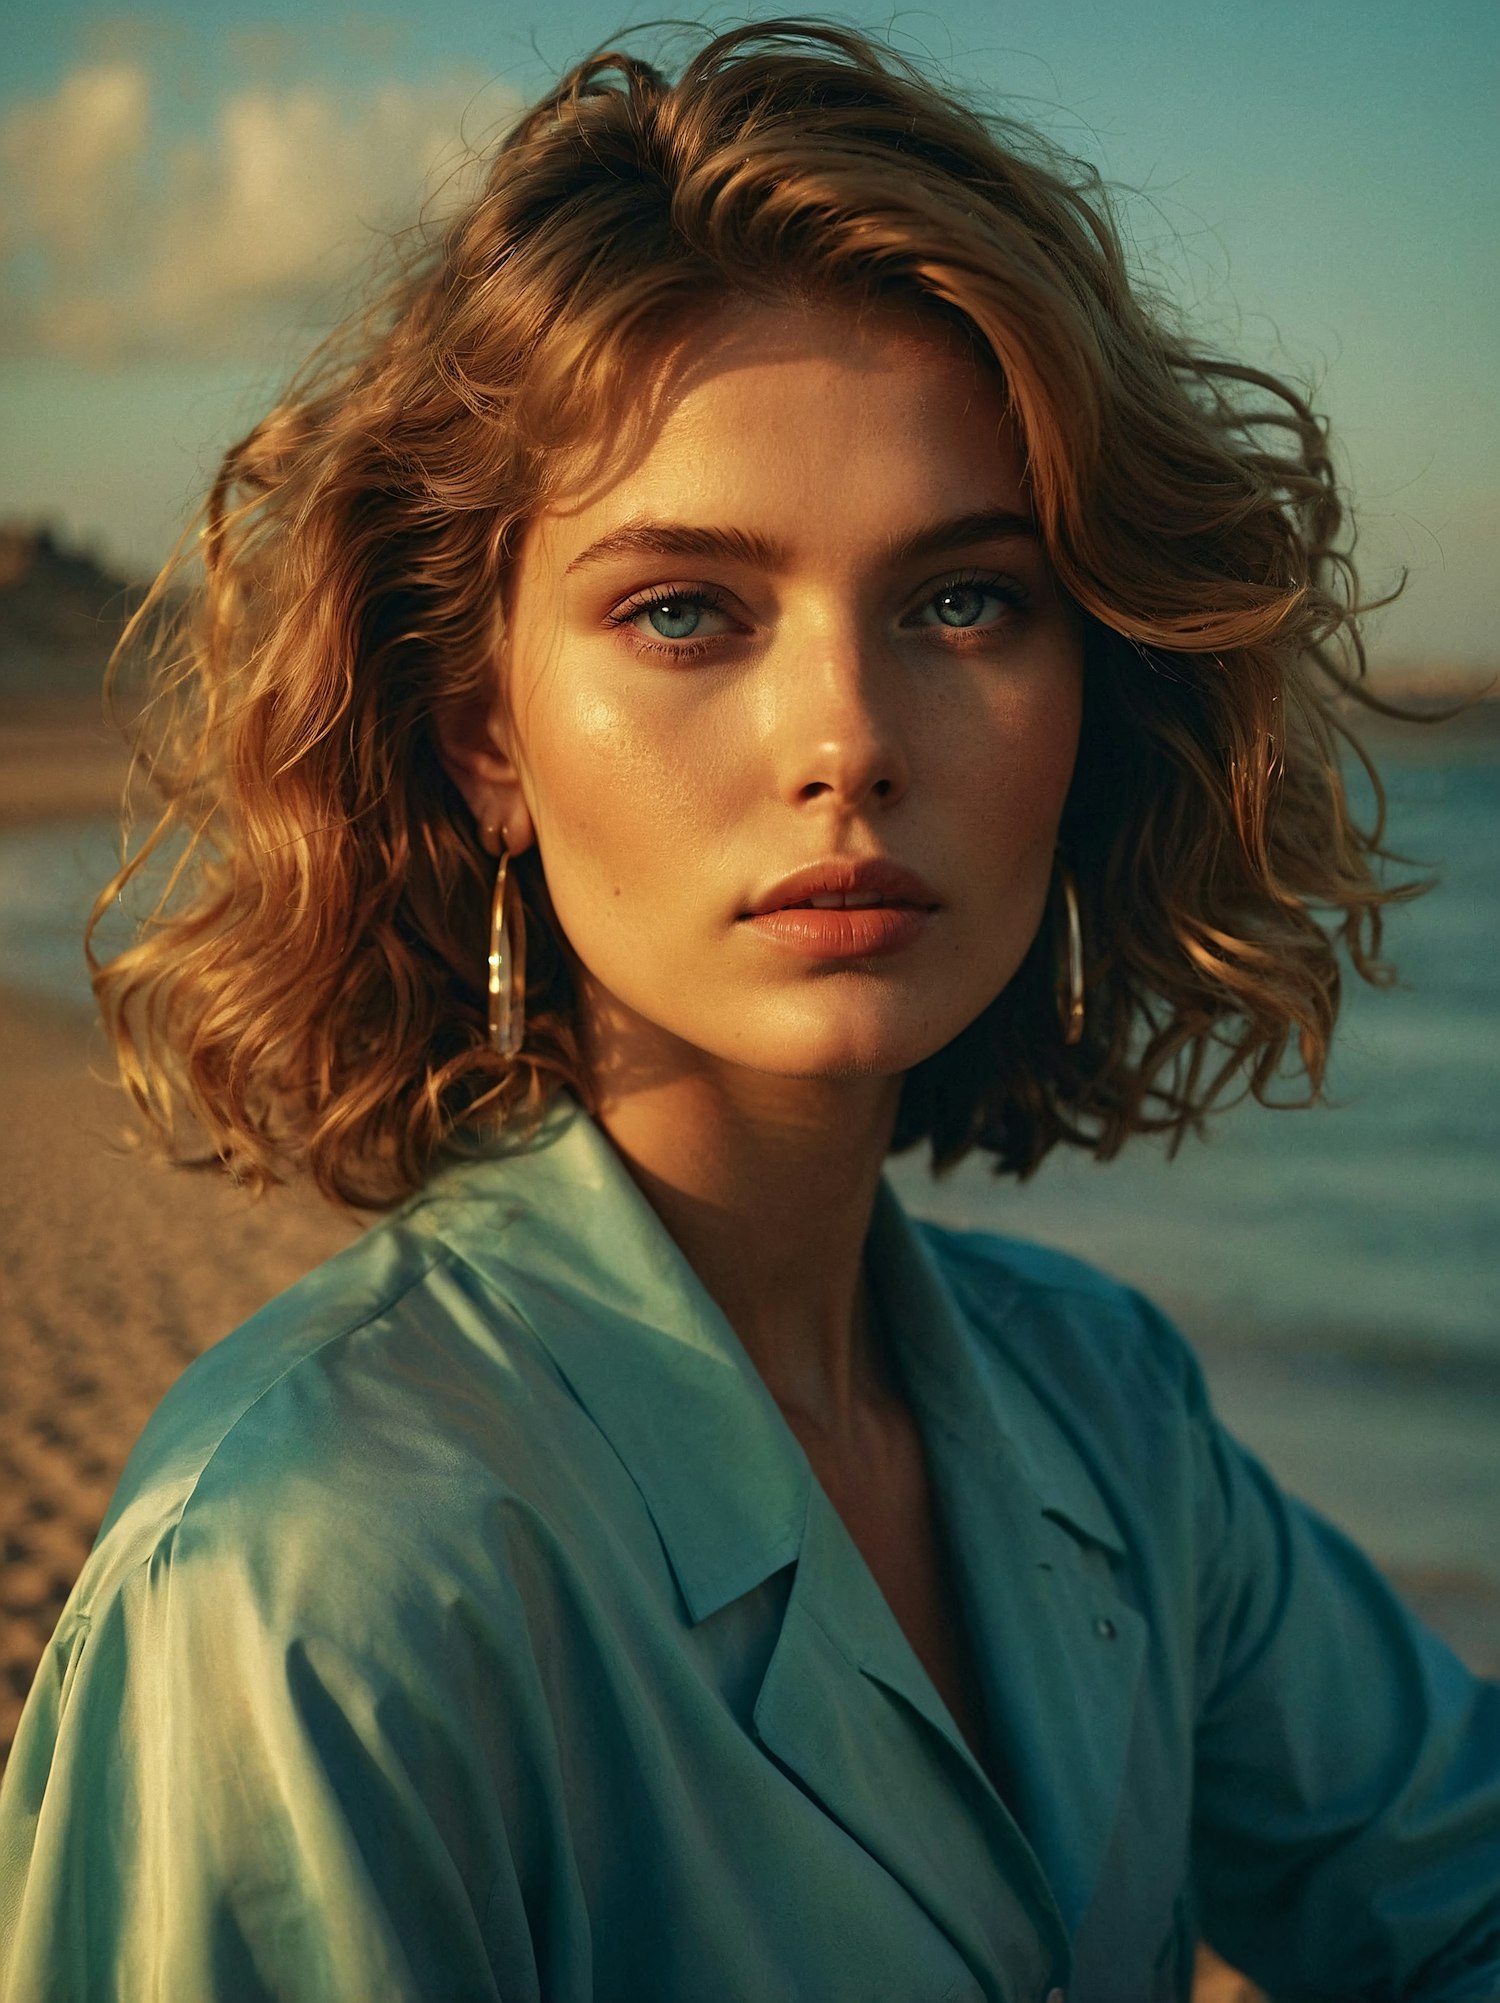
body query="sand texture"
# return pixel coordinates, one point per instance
(116, 1271)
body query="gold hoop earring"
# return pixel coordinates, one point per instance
(507, 964)
(1070, 991)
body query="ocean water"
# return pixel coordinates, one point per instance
(1369, 1228)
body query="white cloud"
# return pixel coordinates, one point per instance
(71, 162)
(123, 242)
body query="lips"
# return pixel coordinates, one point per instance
(847, 881)
(836, 902)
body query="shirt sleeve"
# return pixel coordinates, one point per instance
(210, 1800)
(1347, 1764)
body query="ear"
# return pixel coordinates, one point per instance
(472, 753)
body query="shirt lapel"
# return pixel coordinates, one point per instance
(846, 1706)
(1035, 1547)
(564, 1233)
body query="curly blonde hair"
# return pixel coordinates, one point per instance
(309, 988)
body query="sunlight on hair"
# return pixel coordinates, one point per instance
(310, 995)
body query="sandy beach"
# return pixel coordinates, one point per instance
(117, 1272)
(117, 1269)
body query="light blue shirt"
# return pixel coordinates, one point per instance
(470, 1625)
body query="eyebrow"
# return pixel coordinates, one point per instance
(641, 537)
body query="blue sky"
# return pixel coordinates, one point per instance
(187, 191)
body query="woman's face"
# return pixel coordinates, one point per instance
(809, 622)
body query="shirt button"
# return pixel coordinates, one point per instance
(1106, 1630)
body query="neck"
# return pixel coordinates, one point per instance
(767, 1185)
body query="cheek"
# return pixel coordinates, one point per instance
(1016, 771)
(621, 788)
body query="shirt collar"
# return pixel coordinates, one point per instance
(560, 1229)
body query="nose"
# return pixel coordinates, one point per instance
(838, 732)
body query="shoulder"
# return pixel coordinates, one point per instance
(1103, 1400)
(1084, 1359)
(364, 1423)
(1052, 1310)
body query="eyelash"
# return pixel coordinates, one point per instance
(1004, 588)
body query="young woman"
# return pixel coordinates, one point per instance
(759, 652)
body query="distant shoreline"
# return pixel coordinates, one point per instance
(1471, 736)
(60, 759)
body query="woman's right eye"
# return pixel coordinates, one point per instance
(674, 618)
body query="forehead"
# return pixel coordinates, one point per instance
(766, 407)
(880, 337)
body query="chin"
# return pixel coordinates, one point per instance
(841, 1050)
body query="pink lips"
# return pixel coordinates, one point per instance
(844, 935)
(853, 876)
(904, 911)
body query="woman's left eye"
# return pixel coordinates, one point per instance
(959, 603)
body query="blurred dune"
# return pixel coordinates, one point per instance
(61, 611)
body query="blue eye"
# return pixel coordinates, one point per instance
(676, 624)
(964, 601)
(673, 618)
(960, 602)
